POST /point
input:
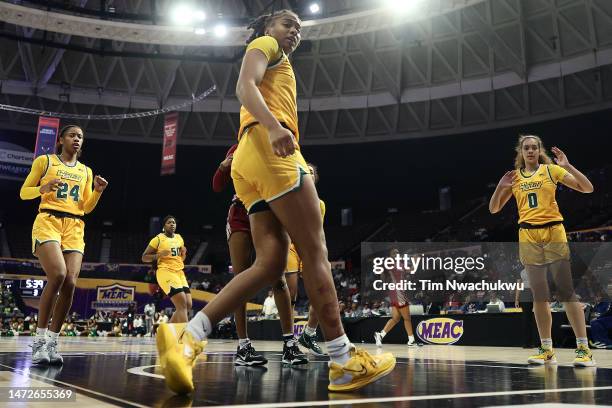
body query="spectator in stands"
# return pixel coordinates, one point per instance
(163, 318)
(149, 313)
(99, 316)
(32, 324)
(341, 307)
(15, 326)
(366, 311)
(494, 300)
(374, 309)
(452, 305)
(205, 284)
(470, 306)
(384, 308)
(601, 326)
(139, 328)
(69, 329)
(355, 309)
(269, 307)
(92, 328)
(116, 330)
(7, 329)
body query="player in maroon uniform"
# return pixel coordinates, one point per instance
(238, 230)
(400, 306)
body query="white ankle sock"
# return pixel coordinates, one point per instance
(411, 339)
(244, 342)
(338, 350)
(547, 343)
(383, 333)
(52, 335)
(582, 341)
(310, 331)
(199, 327)
(41, 333)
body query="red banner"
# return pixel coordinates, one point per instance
(46, 136)
(169, 149)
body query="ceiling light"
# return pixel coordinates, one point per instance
(182, 15)
(220, 30)
(401, 6)
(200, 15)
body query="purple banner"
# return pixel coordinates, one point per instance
(46, 137)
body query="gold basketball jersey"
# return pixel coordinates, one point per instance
(76, 181)
(173, 244)
(535, 194)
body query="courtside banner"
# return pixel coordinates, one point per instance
(46, 136)
(168, 164)
(479, 277)
(14, 163)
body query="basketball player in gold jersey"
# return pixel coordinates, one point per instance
(542, 239)
(64, 186)
(271, 179)
(168, 250)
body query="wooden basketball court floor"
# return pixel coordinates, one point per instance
(124, 372)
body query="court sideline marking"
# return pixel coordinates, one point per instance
(86, 390)
(412, 398)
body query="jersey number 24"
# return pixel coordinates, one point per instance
(62, 192)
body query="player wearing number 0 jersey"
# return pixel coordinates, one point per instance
(168, 250)
(542, 240)
(67, 191)
(540, 220)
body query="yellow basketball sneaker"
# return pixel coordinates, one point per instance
(544, 356)
(361, 370)
(177, 359)
(584, 357)
(167, 336)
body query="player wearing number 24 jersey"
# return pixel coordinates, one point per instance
(60, 210)
(67, 191)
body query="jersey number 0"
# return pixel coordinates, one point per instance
(532, 198)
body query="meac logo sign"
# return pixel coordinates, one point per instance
(440, 330)
(116, 293)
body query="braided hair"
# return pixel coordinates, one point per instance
(166, 218)
(63, 130)
(260, 24)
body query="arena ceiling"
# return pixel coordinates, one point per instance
(363, 73)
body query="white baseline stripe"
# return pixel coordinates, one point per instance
(413, 398)
(30, 374)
